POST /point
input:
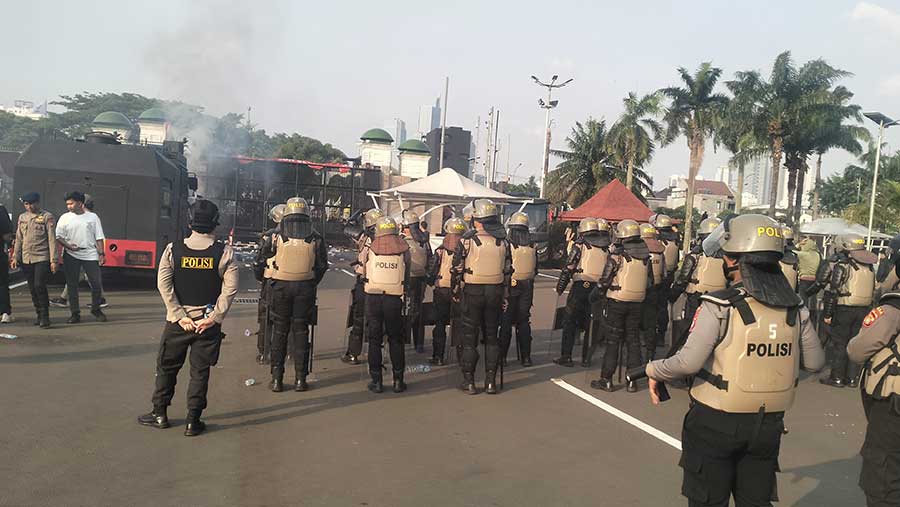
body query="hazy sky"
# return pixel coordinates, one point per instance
(333, 69)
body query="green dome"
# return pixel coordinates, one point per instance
(112, 119)
(377, 136)
(415, 146)
(154, 114)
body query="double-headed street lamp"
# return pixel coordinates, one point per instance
(883, 123)
(550, 104)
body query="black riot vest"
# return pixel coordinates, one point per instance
(197, 280)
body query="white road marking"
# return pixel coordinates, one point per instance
(17, 285)
(347, 273)
(637, 423)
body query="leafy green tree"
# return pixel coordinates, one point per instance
(587, 166)
(628, 140)
(82, 108)
(301, 147)
(693, 111)
(528, 189)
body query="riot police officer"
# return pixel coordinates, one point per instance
(699, 274)
(521, 290)
(439, 276)
(584, 266)
(624, 282)
(744, 348)
(419, 257)
(385, 271)
(481, 279)
(657, 294)
(197, 280)
(876, 345)
(668, 236)
(886, 276)
(357, 311)
(790, 262)
(262, 269)
(299, 262)
(849, 282)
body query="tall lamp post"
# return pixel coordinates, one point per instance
(550, 104)
(883, 123)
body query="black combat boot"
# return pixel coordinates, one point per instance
(376, 385)
(565, 361)
(98, 314)
(44, 319)
(74, 319)
(604, 384)
(853, 382)
(632, 386)
(437, 361)
(37, 320)
(490, 382)
(156, 418)
(350, 359)
(833, 382)
(277, 384)
(193, 426)
(526, 361)
(260, 358)
(468, 383)
(301, 384)
(399, 384)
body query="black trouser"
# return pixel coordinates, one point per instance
(812, 302)
(263, 316)
(384, 315)
(173, 349)
(518, 312)
(845, 324)
(290, 309)
(355, 340)
(623, 321)
(480, 308)
(578, 314)
(680, 332)
(729, 454)
(443, 308)
(654, 298)
(880, 474)
(416, 295)
(37, 275)
(72, 268)
(5, 306)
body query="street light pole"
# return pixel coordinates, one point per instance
(883, 122)
(550, 104)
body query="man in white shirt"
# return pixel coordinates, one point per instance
(81, 235)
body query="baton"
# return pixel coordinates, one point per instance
(635, 374)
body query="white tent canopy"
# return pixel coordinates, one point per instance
(443, 186)
(835, 226)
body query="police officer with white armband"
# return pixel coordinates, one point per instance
(481, 277)
(790, 262)
(419, 257)
(657, 293)
(197, 279)
(521, 290)
(299, 262)
(849, 282)
(262, 269)
(745, 349)
(585, 265)
(386, 264)
(439, 276)
(624, 282)
(878, 348)
(362, 238)
(699, 274)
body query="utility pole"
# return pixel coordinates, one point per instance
(550, 104)
(444, 122)
(496, 149)
(488, 148)
(477, 145)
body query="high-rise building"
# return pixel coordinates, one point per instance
(429, 117)
(397, 129)
(457, 142)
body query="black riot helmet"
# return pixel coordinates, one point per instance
(204, 216)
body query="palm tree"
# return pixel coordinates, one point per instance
(780, 105)
(587, 166)
(628, 140)
(735, 133)
(693, 111)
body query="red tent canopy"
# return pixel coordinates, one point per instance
(613, 203)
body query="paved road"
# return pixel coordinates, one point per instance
(70, 396)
